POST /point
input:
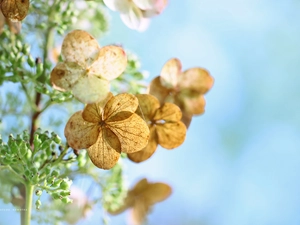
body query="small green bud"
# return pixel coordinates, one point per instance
(31, 61)
(55, 138)
(39, 69)
(65, 185)
(56, 183)
(28, 173)
(38, 204)
(38, 192)
(36, 142)
(66, 200)
(55, 173)
(55, 195)
(14, 147)
(50, 180)
(46, 144)
(65, 193)
(26, 49)
(47, 171)
(28, 155)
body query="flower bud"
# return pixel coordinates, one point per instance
(38, 192)
(66, 200)
(38, 204)
(31, 61)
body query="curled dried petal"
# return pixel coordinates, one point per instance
(158, 90)
(110, 64)
(132, 132)
(169, 112)
(148, 104)
(97, 89)
(103, 154)
(93, 112)
(120, 103)
(171, 135)
(148, 151)
(170, 73)
(80, 47)
(15, 10)
(80, 134)
(196, 79)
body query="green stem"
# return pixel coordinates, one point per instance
(28, 204)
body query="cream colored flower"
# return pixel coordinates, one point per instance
(86, 68)
(136, 13)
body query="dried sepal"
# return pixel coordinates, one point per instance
(14, 10)
(165, 126)
(141, 198)
(185, 89)
(87, 68)
(113, 128)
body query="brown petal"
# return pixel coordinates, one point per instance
(169, 112)
(196, 79)
(186, 119)
(159, 91)
(148, 151)
(119, 103)
(90, 89)
(65, 75)
(2, 22)
(148, 104)
(193, 103)
(156, 192)
(15, 27)
(132, 132)
(139, 212)
(93, 112)
(80, 134)
(110, 64)
(170, 73)
(171, 135)
(15, 10)
(138, 188)
(105, 154)
(80, 47)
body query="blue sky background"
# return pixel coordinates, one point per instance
(240, 163)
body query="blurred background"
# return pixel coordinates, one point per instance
(240, 163)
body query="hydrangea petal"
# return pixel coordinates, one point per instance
(15, 10)
(93, 112)
(132, 132)
(171, 135)
(158, 8)
(120, 103)
(158, 90)
(80, 47)
(144, 4)
(193, 103)
(186, 119)
(97, 89)
(65, 75)
(110, 64)
(138, 212)
(118, 5)
(170, 73)
(133, 18)
(196, 79)
(148, 104)
(168, 112)
(146, 152)
(79, 133)
(102, 154)
(156, 192)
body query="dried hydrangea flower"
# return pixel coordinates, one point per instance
(164, 124)
(185, 89)
(86, 68)
(141, 198)
(136, 13)
(108, 128)
(14, 27)
(14, 10)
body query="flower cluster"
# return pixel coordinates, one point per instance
(185, 89)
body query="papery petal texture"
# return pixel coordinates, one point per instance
(80, 134)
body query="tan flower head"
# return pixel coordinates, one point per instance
(14, 27)
(108, 128)
(164, 123)
(87, 68)
(14, 10)
(185, 89)
(141, 197)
